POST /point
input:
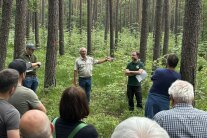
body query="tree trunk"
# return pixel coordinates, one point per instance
(190, 40)
(167, 27)
(20, 26)
(138, 13)
(89, 27)
(158, 33)
(61, 27)
(37, 43)
(106, 21)
(144, 31)
(52, 44)
(176, 24)
(116, 23)
(69, 15)
(43, 13)
(94, 12)
(4, 30)
(111, 28)
(1, 3)
(28, 25)
(80, 26)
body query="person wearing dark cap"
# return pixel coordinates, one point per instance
(31, 80)
(24, 99)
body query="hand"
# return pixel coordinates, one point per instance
(38, 64)
(109, 59)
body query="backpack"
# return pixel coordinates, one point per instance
(74, 131)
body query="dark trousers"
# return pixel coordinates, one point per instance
(131, 91)
(85, 83)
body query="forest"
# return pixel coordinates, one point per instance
(59, 28)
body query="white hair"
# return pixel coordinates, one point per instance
(139, 127)
(182, 92)
(82, 49)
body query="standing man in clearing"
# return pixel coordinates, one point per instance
(83, 69)
(31, 80)
(135, 67)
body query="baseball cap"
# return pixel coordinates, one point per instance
(31, 46)
(20, 65)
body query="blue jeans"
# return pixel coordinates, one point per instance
(85, 83)
(156, 103)
(31, 83)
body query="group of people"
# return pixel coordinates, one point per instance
(23, 115)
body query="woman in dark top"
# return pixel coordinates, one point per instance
(158, 98)
(73, 108)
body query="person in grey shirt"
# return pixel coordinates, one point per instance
(83, 69)
(183, 121)
(9, 116)
(24, 99)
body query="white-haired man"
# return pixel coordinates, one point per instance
(183, 120)
(139, 127)
(83, 69)
(35, 124)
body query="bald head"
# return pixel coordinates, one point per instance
(35, 124)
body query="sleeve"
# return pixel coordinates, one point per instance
(87, 132)
(142, 65)
(94, 61)
(33, 100)
(13, 119)
(76, 65)
(127, 66)
(155, 75)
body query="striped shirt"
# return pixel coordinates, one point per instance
(183, 121)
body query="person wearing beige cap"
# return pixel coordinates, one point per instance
(31, 80)
(35, 124)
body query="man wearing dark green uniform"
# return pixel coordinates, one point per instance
(31, 80)
(134, 86)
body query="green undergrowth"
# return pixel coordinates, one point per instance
(108, 105)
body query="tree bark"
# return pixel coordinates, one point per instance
(176, 24)
(61, 27)
(89, 50)
(156, 50)
(28, 24)
(106, 21)
(80, 22)
(190, 40)
(20, 26)
(111, 28)
(4, 30)
(69, 15)
(52, 44)
(167, 27)
(36, 23)
(116, 24)
(144, 31)
(43, 13)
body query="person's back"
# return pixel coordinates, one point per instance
(162, 79)
(183, 121)
(24, 99)
(73, 108)
(64, 129)
(9, 116)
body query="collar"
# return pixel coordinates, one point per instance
(182, 105)
(82, 57)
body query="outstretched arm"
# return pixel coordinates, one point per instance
(104, 60)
